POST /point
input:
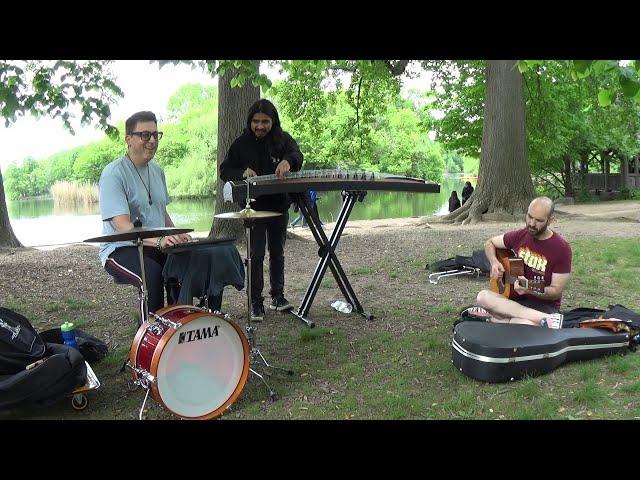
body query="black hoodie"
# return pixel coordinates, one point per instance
(262, 155)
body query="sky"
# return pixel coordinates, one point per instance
(145, 87)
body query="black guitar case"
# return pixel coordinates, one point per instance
(495, 352)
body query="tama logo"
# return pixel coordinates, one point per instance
(198, 334)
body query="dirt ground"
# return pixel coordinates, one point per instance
(71, 277)
(36, 278)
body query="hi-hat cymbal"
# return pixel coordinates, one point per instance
(139, 232)
(247, 214)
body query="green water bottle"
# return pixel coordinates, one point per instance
(69, 334)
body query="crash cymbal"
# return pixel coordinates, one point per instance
(247, 214)
(139, 232)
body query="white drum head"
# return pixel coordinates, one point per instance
(200, 367)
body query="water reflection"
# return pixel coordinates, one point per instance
(38, 222)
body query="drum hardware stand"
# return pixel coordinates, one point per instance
(450, 273)
(327, 253)
(251, 336)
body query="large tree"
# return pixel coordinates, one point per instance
(54, 89)
(233, 105)
(504, 179)
(7, 237)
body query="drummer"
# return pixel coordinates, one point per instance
(133, 186)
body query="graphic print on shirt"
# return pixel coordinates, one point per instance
(533, 260)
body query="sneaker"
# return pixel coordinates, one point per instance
(257, 313)
(554, 320)
(474, 313)
(280, 304)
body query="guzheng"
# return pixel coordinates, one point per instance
(325, 180)
(354, 186)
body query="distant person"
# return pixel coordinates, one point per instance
(134, 186)
(264, 148)
(454, 201)
(313, 200)
(467, 190)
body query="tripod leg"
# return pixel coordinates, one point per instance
(267, 364)
(273, 395)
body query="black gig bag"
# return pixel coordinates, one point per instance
(34, 373)
(496, 352)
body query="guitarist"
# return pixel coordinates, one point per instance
(546, 254)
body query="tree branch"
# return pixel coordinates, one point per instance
(358, 111)
(398, 68)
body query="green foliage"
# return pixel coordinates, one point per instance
(460, 96)
(187, 151)
(454, 163)
(337, 134)
(564, 121)
(471, 165)
(28, 180)
(53, 88)
(612, 76)
(629, 193)
(94, 157)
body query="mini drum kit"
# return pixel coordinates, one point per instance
(193, 362)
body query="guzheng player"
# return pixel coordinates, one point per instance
(265, 149)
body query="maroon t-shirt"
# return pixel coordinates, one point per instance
(541, 257)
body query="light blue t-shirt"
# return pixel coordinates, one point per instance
(123, 192)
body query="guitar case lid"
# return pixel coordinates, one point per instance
(495, 352)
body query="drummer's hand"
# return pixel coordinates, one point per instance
(171, 240)
(283, 168)
(249, 173)
(184, 237)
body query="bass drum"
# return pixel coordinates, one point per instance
(199, 367)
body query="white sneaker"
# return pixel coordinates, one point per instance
(554, 320)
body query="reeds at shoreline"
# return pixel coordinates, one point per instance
(70, 193)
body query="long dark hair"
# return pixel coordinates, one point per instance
(275, 137)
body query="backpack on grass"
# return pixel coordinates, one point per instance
(34, 373)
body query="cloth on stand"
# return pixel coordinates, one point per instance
(205, 271)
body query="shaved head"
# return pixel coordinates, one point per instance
(543, 202)
(539, 216)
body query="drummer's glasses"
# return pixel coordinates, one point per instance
(147, 135)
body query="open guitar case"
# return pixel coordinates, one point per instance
(498, 352)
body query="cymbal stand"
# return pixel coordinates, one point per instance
(142, 380)
(145, 304)
(144, 294)
(251, 331)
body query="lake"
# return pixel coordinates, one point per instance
(36, 222)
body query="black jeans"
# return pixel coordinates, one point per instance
(537, 305)
(271, 231)
(124, 266)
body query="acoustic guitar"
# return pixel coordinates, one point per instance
(513, 268)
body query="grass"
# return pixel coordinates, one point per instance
(399, 365)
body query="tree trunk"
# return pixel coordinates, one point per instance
(233, 106)
(624, 171)
(605, 170)
(568, 180)
(7, 237)
(504, 179)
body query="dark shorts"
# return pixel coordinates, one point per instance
(537, 305)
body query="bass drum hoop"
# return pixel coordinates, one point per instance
(166, 336)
